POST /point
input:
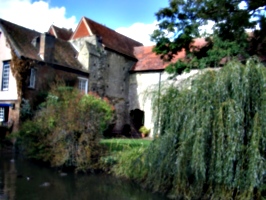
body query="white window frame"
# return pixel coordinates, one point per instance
(32, 78)
(83, 84)
(2, 114)
(5, 76)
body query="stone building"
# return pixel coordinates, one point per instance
(93, 57)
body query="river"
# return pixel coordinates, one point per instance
(24, 180)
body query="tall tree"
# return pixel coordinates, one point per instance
(183, 21)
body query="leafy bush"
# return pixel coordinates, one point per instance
(144, 131)
(213, 137)
(26, 111)
(66, 130)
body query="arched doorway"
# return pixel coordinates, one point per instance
(137, 119)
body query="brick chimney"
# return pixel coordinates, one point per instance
(47, 42)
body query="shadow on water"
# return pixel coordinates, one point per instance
(24, 180)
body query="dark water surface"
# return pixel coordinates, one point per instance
(24, 180)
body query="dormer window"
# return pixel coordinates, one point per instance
(36, 42)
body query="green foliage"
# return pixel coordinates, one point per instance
(25, 110)
(66, 130)
(125, 163)
(144, 130)
(213, 137)
(183, 21)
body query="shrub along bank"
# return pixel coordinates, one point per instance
(67, 129)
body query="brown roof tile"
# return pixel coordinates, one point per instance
(111, 39)
(20, 38)
(61, 33)
(149, 61)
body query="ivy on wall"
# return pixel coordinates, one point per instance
(20, 69)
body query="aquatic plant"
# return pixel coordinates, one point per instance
(212, 140)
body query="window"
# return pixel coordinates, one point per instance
(2, 114)
(83, 85)
(4, 111)
(32, 78)
(5, 76)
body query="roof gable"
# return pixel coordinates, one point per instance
(61, 33)
(82, 30)
(109, 38)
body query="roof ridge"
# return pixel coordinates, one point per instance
(5, 21)
(111, 29)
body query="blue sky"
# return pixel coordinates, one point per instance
(135, 19)
(113, 13)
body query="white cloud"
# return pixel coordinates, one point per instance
(208, 28)
(139, 31)
(36, 15)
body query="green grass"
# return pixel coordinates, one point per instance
(121, 152)
(115, 145)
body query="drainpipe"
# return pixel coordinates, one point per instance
(158, 104)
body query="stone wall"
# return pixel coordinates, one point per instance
(117, 86)
(145, 85)
(109, 77)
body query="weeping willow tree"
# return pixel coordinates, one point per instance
(213, 137)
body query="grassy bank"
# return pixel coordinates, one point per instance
(118, 144)
(121, 152)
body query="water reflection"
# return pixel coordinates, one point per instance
(23, 180)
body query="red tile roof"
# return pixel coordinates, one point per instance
(61, 33)
(110, 38)
(149, 61)
(20, 39)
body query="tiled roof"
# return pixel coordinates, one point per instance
(149, 61)
(112, 39)
(61, 33)
(20, 38)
